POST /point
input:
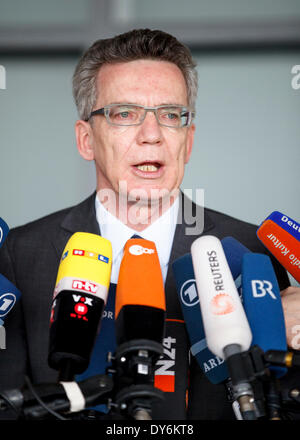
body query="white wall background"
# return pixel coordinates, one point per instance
(247, 150)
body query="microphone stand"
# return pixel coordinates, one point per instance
(129, 394)
(242, 389)
(133, 368)
(44, 400)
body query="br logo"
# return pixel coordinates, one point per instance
(188, 293)
(261, 288)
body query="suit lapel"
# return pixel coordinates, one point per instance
(80, 218)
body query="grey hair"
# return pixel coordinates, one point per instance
(130, 46)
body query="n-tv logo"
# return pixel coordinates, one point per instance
(7, 301)
(86, 286)
(261, 288)
(188, 293)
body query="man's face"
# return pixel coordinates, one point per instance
(148, 156)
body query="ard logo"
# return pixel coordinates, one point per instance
(188, 293)
(7, 301)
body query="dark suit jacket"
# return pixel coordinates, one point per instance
(30, 259)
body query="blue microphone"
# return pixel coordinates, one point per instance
(9, 295)
(214, 367)
(234, 252)
(4, 229)
(262, 304)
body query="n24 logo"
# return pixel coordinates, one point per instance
(165, 372)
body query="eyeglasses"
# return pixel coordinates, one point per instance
(175, 116)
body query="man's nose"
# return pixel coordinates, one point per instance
(149, 131)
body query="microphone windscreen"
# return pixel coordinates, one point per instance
(234, 252)
(9, 295)
(80, 295)
(213, 367)
(85, 265)
(224, 318)
(4, 229)
(262, 303)
(285, 222)
(140, 297)
(282, 244)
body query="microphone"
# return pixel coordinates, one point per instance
(286, 358)
(140, 297)
(234, 252)
(285, 222)
(80, 296)
(9, 295)
(140, 311)
(213, 366)
(41, 400)
(4, 229)
(281, 236)
(262, 304)
(226, 327)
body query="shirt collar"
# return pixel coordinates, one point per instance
(161, 231)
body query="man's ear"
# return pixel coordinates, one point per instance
(84, 139)
(190, 142)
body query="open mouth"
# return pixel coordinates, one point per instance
(148, 169)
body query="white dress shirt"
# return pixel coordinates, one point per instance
(161, 231)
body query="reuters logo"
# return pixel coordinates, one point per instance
(222, 304)
(136, 249)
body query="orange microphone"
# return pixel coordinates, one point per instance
(140, 310)
(140, 297)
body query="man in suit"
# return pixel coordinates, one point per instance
(135, 95)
